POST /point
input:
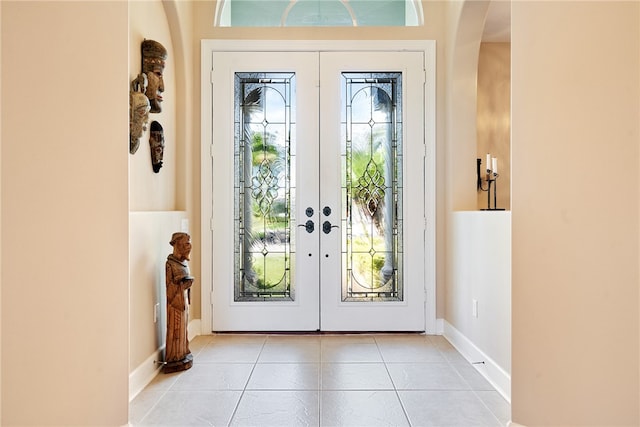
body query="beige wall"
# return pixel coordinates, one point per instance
(161, 203)
(0, 220)
(465, 25)
(152, 196)
(64, 213)
(575, 137)
(493, 119)
(149, 235)
(475, 244)
(151, 191)
(187, 122)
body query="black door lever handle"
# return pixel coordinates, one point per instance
(326, 227)
(309, 226)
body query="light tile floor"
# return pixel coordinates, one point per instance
(321, 380)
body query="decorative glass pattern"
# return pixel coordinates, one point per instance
(264, 189)
(371, 157)
(318, 13)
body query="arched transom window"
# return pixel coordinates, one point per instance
(318, 13)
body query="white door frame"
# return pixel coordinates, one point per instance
(209, 46)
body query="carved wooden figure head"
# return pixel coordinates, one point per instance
(181, 243)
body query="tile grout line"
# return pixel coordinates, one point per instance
(395, 389)
(447, 360)
(164, 392)
(467, 383)
(486, 406)
(320, 382)
(244, 389)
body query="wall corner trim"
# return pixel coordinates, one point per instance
(490, 370)
(194, 329)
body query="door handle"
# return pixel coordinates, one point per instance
(326, 227)
(309, 226)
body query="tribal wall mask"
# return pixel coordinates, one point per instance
(154, 56)
(138, 112)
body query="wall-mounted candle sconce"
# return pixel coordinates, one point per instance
(490, 177)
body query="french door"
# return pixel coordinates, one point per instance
(317, 191)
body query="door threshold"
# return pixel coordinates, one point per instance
(318, 332)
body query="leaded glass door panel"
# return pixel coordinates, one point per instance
(265, 176)
(321, 158)
(372, 151)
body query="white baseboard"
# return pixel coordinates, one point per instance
(147, 370)
(498, 377)
(144, 373)
(439, 326)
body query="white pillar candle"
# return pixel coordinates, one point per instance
(488, 162)
(494, 165)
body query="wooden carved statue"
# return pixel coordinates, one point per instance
(154, 56)
(179, 280)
